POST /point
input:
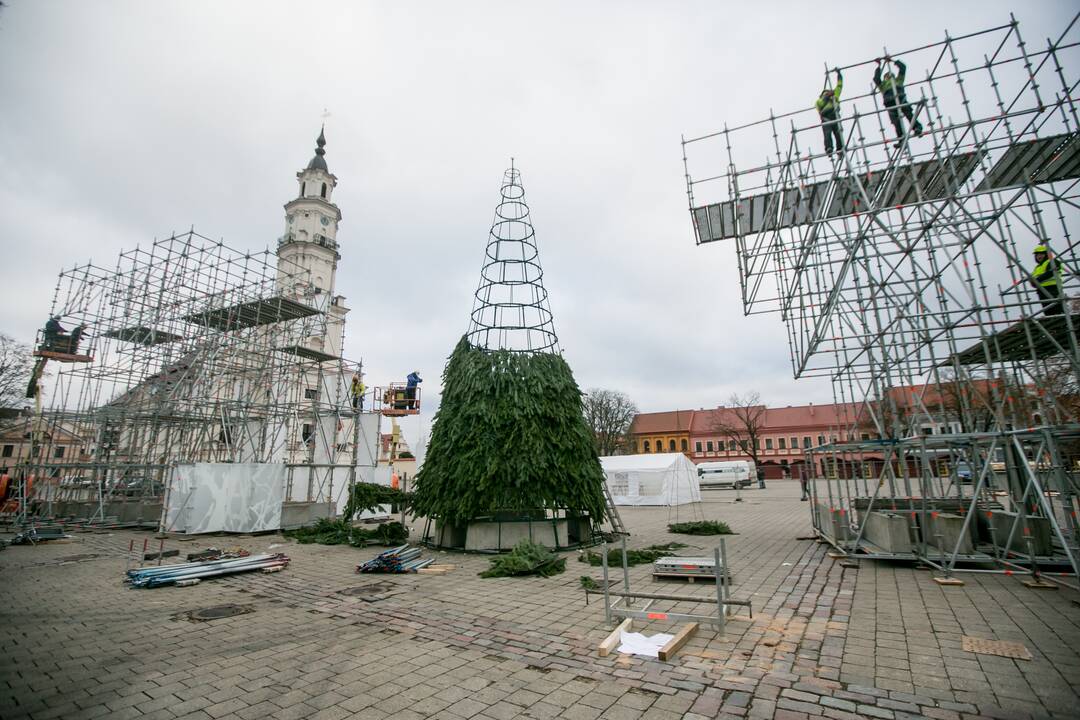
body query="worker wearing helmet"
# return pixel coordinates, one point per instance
(828, 107)
(892, 92)
(357, 390)
(1047, 280)
(411, 382)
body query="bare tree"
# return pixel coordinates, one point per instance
(609, 414)
(742, 422)
(15, 365)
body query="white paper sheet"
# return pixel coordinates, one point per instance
(638, 644)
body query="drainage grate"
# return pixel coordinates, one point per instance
(218, 612)
(1001, 648)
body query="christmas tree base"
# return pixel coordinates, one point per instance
(554, 530)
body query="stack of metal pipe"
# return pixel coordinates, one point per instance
(404, 559)
(150, 577)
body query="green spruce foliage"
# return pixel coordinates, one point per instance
(342, 532)
(509, 441)
(633, 557)
(527, 558)
(701, 527)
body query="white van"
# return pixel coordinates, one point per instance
(726, 474)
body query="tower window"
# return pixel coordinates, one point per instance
(324, 191)
(303, 189)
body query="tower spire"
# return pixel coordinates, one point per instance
(319, 162)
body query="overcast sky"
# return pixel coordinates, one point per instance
(125, 121)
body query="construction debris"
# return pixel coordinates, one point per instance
(34, 535)
(170, 574)
(404, 559)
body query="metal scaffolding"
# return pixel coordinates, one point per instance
(191, 351)
(901, 268)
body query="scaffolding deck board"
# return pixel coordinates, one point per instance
(250, 314)
(800, 205)
(143, 335)
(1041, 160)
(306, 352)
(1047, 334)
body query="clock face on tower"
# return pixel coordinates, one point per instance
(325, 220)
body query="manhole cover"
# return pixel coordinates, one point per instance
(369, 590)
(1001, 648)
(219, 611)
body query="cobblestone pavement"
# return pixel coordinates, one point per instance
(880, 641)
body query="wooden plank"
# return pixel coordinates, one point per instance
(612, 641)
(668, 651)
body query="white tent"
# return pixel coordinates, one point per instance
(660, 479)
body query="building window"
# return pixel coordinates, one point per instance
(671, 446)
(646, 446)
(697, 447)
(794, 443)
(768, 443)
(307, 432)
(58, 452)
(806, 442)
(781, 443)
(865, 436)
(310, 394)
(8, 451)
(303, 190)
(708, 446)
(732, 446)
(684, 444)
(324, 191)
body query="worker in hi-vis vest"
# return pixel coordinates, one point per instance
(828, 107)
(892, 92)
(1047, 280)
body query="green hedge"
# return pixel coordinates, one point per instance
(509, 437)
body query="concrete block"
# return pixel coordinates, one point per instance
(1038, 529)
(889, 531)
(949, 527)
(504, 535)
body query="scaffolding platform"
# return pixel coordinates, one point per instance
(1036, 337)
(252, 313)
(63, 357)
(143, 335)
(309, 353)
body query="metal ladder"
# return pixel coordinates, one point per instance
(617, 527)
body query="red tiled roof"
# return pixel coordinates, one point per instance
(661, 422)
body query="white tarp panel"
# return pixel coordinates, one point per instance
(225, 497)
(655, 479)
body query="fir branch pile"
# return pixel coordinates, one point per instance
(633, 557)
(509, 441)
(527, 558)
(342, 532)
(700, 527)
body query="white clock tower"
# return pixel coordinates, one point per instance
(310, 247)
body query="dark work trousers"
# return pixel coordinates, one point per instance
(831, 127)
(1051, 300)
(898, 106)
